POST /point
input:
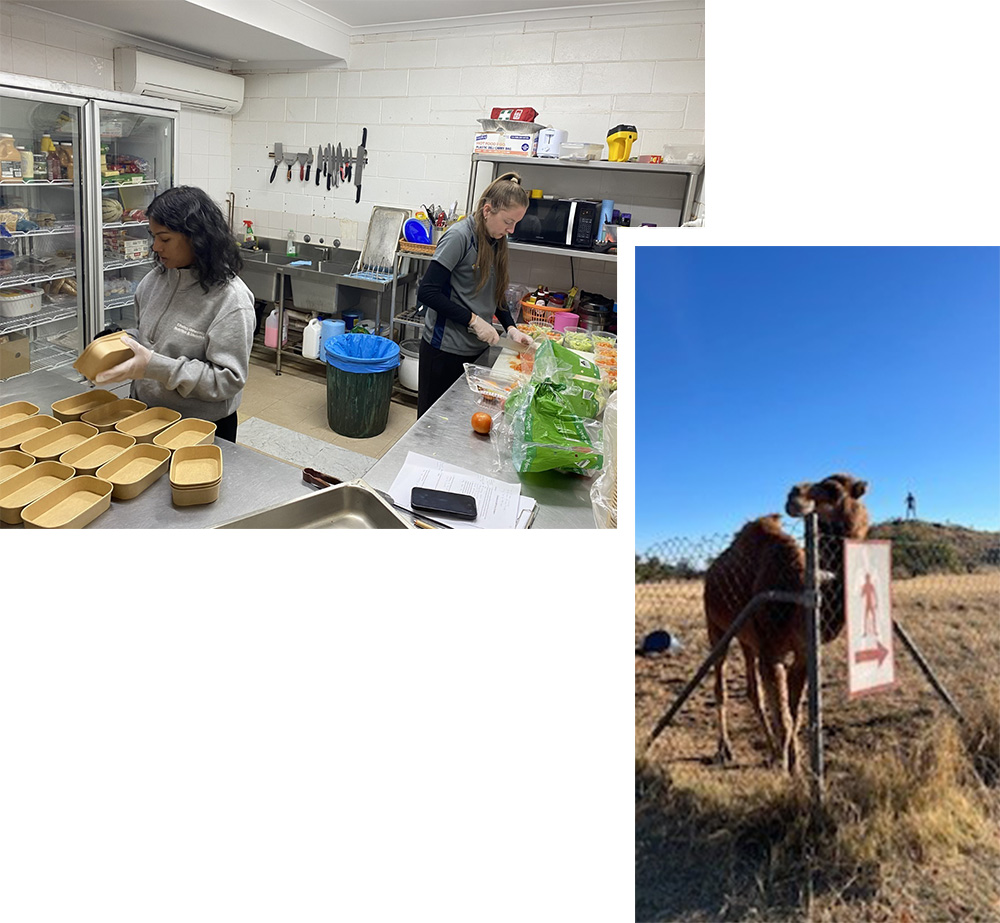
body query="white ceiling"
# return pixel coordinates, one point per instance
(300, 34)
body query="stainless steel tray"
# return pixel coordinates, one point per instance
(343, 506)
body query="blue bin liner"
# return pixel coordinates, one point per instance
(362, 353)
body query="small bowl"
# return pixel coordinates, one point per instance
(104, 353)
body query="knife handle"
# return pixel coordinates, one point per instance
(273, 172)
(308, 165)
(288, 177)
(328, 178)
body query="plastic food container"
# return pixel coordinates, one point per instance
(72, 505)
(6, 261)
(13, 434)
(15, 411)
(191, 431)
(104, 353)
(684, 153)
(52, 443)
(147, 424)
(16, 302)
(603, 337)
(580, 150)
(72, 408)
(88, 456)
(14, 462)
(135, 469)
(578, 339)
(24, 488)
(107, 415)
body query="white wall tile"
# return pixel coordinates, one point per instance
(459, 52)
(605, 45)
(635, 77)
(538, 79)
(381, 83)
(695, 115)
(441, 80)
(678, 77)
(490, 81)
(415, 53)
(523, 49)
(663, 43)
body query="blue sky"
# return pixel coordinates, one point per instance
(759, 367)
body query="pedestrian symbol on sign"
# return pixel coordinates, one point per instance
(867, 572)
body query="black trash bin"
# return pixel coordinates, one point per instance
(360, 371)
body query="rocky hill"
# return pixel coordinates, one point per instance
(932, 547)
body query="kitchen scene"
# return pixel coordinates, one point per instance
(345, 150)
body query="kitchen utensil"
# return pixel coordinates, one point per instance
(309, 160)
(422, 522)
(338, 174)
(322, 162)
(416, 232)
(329, 163)
(508, 343)
(318, 479)
(360, 161)
(278, 158)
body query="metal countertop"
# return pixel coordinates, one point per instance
(444, 432)
(250, 481)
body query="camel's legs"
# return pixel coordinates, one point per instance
(724, 754)
(796, 683)
(773, 678)
(753, 693)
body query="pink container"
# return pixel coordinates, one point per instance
(565, 319)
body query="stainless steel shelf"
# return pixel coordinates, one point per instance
(623, 166)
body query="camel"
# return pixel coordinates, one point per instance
(765, 557)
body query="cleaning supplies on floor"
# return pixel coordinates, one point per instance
(271, 330)
(310, 339)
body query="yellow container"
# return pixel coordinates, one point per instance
(107, 415)
(14, 462)
(72, 505)
(15, 411)
(72, 408)
(13, 434)
(620, 140)
(24, 488)
(135, 469)
(88, 456)
(147, 424)
(190, 431)
(52, 443)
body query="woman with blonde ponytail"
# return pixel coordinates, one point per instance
(464, 287)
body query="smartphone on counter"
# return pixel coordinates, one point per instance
(462, 506)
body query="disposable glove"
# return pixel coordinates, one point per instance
(518, 337)
(484, 331)
(130, 368)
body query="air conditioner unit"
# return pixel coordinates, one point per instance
(196, 87)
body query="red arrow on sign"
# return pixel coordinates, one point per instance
(873, 653)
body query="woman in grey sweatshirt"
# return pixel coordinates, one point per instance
(195, 315)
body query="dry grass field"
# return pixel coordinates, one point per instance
(909, 829)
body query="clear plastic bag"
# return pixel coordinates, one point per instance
(604, 490)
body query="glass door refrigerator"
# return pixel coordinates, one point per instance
(78, 171)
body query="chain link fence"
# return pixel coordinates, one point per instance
(945, 594)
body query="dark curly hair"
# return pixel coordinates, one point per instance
(189, 211)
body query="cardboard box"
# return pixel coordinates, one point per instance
(517, 144)
(15, 355)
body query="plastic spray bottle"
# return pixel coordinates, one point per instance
(290, 248)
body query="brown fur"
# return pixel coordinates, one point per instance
(765, 557)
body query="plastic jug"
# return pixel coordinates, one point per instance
(329, 328)
(10, 160)
(271, 330)
(310, 339)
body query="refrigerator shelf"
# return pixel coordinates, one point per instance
(49, 314)
(125, 264)
(124, 224)
(125, 301)
(37, 278)
(43, 232)
(127, 185)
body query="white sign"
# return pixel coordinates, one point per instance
(868, 610)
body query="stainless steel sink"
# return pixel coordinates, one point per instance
(344, 506)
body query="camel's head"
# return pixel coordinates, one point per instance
(836, 500)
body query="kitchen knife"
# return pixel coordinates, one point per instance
(508, 343)
(309, 163)
(360, 161)
(339, 172)
(329, 166)
(347, 165)
(301, 158)
(278, 158)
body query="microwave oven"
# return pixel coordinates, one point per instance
(560, 223)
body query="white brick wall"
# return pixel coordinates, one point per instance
(419, 93)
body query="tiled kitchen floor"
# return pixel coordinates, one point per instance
(294, 404)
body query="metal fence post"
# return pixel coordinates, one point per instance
(813, 615)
